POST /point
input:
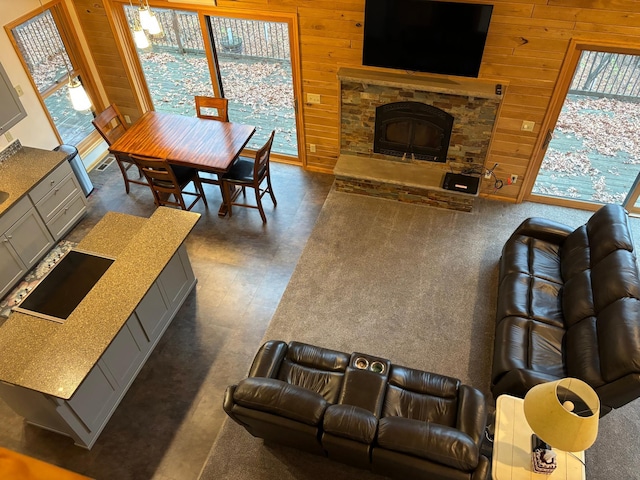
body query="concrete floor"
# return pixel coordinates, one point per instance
(167, 422)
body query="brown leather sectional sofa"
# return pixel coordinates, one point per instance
(364, 411)
(569, 306)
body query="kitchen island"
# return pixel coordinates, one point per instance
(69, 377)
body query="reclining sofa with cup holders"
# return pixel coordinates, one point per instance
(364, 411)
(569, 306)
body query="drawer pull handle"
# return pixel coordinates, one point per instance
(9, 237)
(53, 182)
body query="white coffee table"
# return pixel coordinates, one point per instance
(512, 448)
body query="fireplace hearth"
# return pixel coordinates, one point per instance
(413, 130)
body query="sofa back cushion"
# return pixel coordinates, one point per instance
(423, 396)
(601, 299)
(317, 369)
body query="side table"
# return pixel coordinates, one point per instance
(512, 448)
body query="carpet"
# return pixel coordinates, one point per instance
(17, 295)
(416, 285)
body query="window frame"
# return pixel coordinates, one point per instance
(79, 64)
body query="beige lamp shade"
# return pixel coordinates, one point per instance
(564, 414)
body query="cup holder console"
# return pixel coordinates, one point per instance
(361, 362)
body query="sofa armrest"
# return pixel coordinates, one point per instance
(351, 422)
(281, 398)
(518, 382)
(438, 443)
(267, 361)
(472, 413)
(543, 229)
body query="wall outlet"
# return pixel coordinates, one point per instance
(127, 118)
(19, 90)
(8, 136)
(514, 179)
(312, 147)
(527, 126)
(313, 98)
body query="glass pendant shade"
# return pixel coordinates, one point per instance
(139, 37)
(145, 17)
(154, 25)
(79, 98)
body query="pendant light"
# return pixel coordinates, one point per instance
(154, 25)
(139, 37)
(79, 99)
(144, 12)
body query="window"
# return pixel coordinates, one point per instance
(47, 55)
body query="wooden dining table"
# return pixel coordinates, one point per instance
(207, 145)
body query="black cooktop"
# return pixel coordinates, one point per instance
(64, 287)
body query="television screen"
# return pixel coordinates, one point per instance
(426, 36)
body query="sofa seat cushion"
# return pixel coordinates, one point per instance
(528, 345)
(280, 398)
(437, 443)
(350, 422)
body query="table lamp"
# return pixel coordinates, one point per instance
(563, 414)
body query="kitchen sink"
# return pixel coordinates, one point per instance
(3, 197)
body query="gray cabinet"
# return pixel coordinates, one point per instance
(12, 268)
(25, 239)
(59, 200)
(29, 229)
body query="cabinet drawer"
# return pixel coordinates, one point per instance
(49, 182)
(49, 204)
(67, 216)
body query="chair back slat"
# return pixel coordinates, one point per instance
(262, 158)
(220, 104)
(110, 124)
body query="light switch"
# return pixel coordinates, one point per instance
(127, 118)
(8, 136)
(313, 98)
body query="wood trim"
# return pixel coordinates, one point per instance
(124, 41)
(211, 56)
(76, 54)
(567, 70)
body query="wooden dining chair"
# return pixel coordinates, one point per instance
(250, 173)
(166, 180)
(111, 125)
(220, 104)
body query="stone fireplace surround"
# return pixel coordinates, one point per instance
(473, 104)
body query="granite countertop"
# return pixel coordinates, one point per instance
(23, 170)
(54, 358)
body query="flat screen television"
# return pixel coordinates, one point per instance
(426, 36)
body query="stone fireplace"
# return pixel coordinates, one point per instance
(429, 126)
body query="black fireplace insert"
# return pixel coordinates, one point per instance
(412, 129)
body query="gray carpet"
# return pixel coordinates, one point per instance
(416, 285)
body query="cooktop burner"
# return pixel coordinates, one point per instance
(64, 287)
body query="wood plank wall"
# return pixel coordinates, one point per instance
(526, 44)
(106, 56)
